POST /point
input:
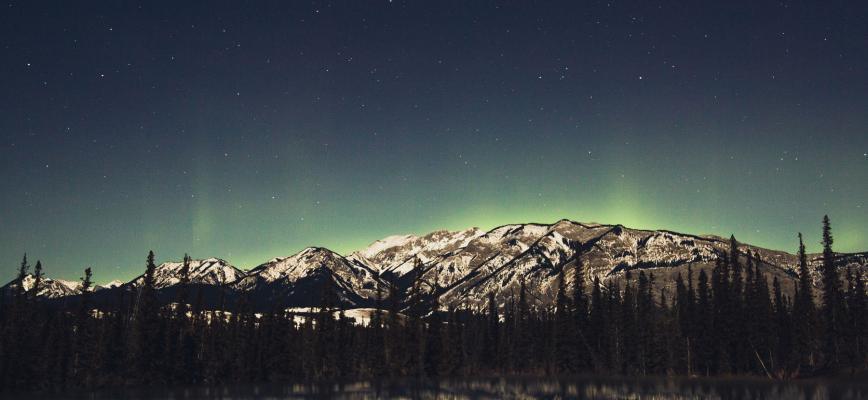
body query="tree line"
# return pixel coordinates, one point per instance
(731, 321)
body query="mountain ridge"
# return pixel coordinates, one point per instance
(460, 268)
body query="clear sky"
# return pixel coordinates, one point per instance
(250, 131)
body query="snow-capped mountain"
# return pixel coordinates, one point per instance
(461, 268)
(110, 285)
(499, 260)
(48, 288)
(210, 271)
(297, 280)
(398, 255)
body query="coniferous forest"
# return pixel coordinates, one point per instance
(732, 321)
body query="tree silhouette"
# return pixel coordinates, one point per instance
(831, 299)
(630, 323)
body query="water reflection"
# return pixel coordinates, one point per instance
(596, 388)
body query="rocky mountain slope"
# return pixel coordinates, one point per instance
(461, 268)
(210, 271)
(48, 288)
(296, 281)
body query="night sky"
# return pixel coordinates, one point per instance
(251, 130)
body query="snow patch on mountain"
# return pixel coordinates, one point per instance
(461, 268)
(399, 255)
(210, 271)
(112, 284)
(48, 288)
(309, 268)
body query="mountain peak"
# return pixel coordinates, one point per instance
(48, 288)
(211, 271)
(398, 254)
(461, 268)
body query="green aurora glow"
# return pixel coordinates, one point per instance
(247, 141)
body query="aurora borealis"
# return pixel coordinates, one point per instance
(250, 131)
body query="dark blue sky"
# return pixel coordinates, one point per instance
(249, 131)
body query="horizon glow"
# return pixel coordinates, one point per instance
(251, 134)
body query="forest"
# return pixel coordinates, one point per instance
(731, 322)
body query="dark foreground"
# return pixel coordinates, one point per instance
(505, 388)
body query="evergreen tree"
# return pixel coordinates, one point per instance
(325, 331)
(682, 309)
(783, 334)
(860, 311)
(434, 351)
(630, 337)
(805, 325)
(564, 345)
(22, 273)
(734, 311)
(762, 314)
(853, 321)
(376, 337)
(145, 327)
(492, 355)
(626, 325)
(181, 340)
(722, 316)
(645, 314)
(84, 364)
(16, 342)
(598, 327)
(523, 327)
(613, 356)
(37, 278)
(705, 347)
(831, 299)
(394, 343)
(414, 337)
(582, 353)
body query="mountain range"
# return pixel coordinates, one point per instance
(459, 269)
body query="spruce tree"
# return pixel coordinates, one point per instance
(805, 325)
(630, 337)
(181, 340)
(523, 329)
(762, 310)
(491, 355)
(434, 346)
(598, 321)
(783, 334)
(564, 345)
(37, 278)
(325, 331)
(395, 348)
(581, 353)
(83, 363)
(683, 314)
(831, 305)
(145, 329)
(735, 313)
(705, 347)
(22, 274)
(722, 317)
(860, 312)
(855, 322)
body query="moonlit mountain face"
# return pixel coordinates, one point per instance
(397, 255)
(211, 271)
(48, 288)
(296, 281)
(461, 268)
